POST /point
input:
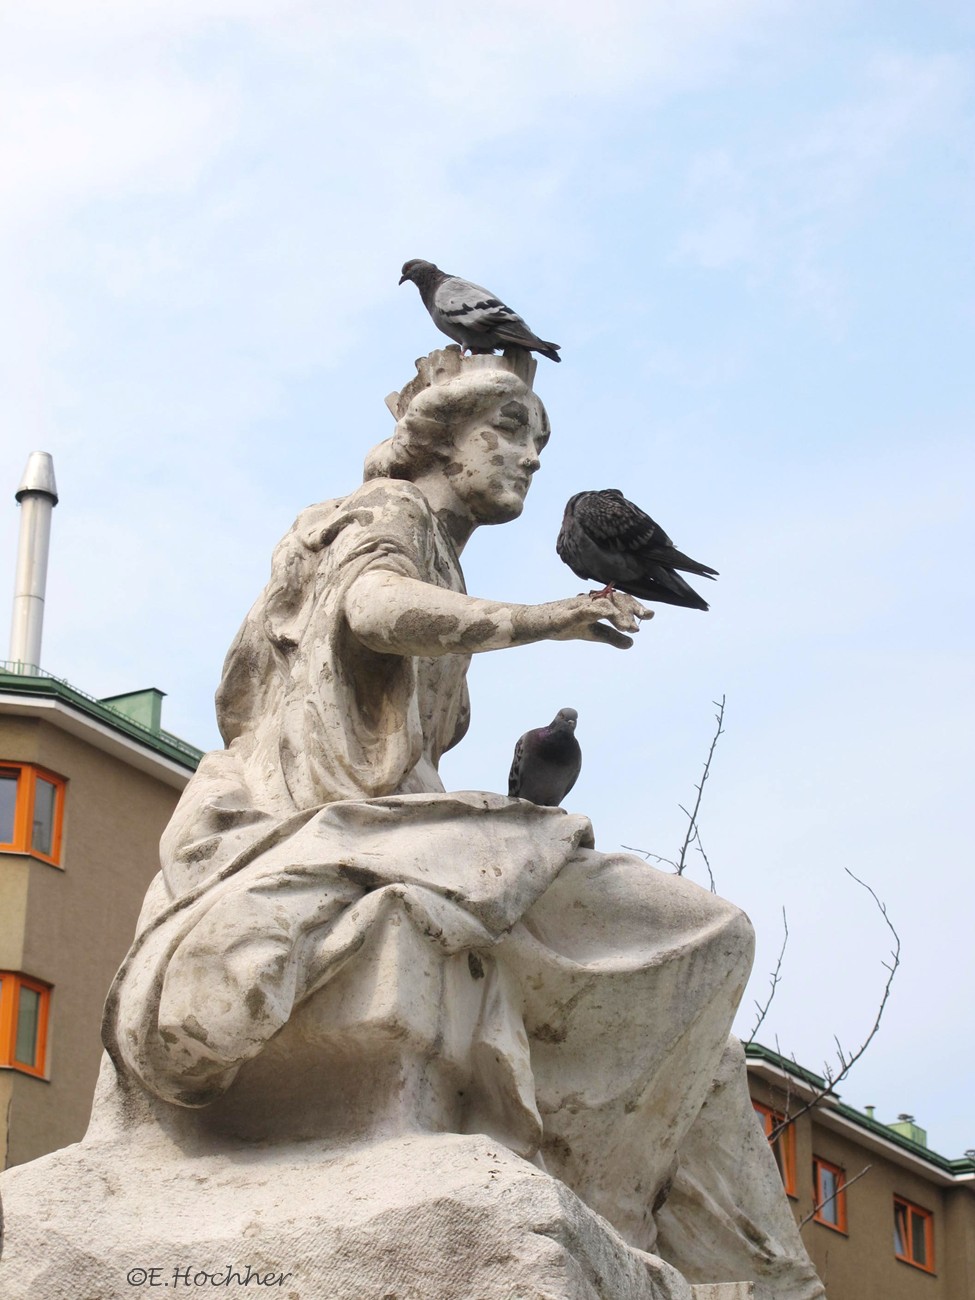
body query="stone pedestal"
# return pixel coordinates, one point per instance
(424, 1217)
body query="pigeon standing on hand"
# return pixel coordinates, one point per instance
(547, 761)
(605, 538)
(470, 315)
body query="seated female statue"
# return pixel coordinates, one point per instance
(336, 947)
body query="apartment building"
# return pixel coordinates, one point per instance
(86, 789)
(883, 1216)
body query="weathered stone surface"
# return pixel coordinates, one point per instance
(723, 1291)
(713, 1222)
(452, 1217)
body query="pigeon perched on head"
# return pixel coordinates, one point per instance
(605, 538)
(470, 315)
(547, 761)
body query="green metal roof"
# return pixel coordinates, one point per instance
(756, 1052)
(36, 684)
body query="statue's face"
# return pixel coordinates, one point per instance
(494, 459)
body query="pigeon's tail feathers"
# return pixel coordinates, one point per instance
(524, 338)
(515, 333)
(666, 586)
(677, 560)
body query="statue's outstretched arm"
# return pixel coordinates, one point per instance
(393, 614)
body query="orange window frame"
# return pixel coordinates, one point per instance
(910, 1212)
(783, 1146)
(27, 775)
(11, 983)
(819, 1194)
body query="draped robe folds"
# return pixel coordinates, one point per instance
(604, 989)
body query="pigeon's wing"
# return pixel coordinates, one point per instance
(477, 311)
(572, 775)
(618, 526)
(514, 776)
(566, 544)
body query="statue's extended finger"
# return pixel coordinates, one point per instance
(623, 610)
(633, 607)
(605, 632)
(626, 620)
(639, 611)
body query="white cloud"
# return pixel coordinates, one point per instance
(228, 170)
(104, 96)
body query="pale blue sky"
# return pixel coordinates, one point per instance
(749, 224)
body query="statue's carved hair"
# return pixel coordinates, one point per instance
(427, 431)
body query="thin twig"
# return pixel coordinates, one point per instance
(707, 861)
(841, 1188)
(645, 853)
(774, 980)
(787, 1090)
(692, 831)
(847, 1062)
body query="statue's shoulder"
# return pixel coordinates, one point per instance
(375, 491)
(388, 499)
(395, 492)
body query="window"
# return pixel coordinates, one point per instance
(829, 1194)
(783, 1144)
(24, 1007)
(913, 1234)
(31, 811)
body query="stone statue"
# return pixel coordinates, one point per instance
(339, 953)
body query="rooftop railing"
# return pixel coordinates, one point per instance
(64, 690)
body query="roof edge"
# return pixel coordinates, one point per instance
(44, 686)
(956, 1168)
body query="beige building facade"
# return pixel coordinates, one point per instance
(884, 1217)
(86, 789)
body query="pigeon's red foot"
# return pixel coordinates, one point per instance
(608, 590)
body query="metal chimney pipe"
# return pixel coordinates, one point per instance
(37, 495)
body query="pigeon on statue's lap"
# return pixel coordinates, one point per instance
(547, 761)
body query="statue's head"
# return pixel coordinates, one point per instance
(472, 420)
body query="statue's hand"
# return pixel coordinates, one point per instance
(585, 616)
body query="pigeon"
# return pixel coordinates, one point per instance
(547, 761)
(470, 315)
(605, 538)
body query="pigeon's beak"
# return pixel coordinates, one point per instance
(402, 278)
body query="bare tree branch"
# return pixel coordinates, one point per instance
(787, 1091)
(656, 857)
(645, 853)
(707, 862)
(841, 1188)
(847, 1061)
(774, 980)
(692, 834)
